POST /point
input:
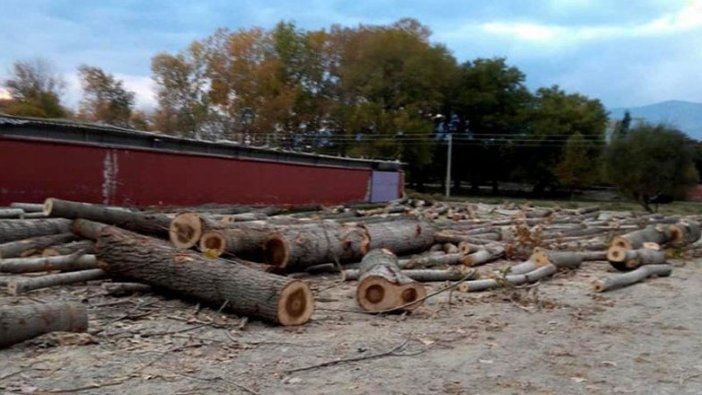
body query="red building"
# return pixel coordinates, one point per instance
(104, 164)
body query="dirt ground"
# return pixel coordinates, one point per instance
(556, 337)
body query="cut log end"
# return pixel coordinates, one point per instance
(213, 243)
(376, 293)
(540, 257)
(296, 304)
(622, 242)
(276, 251)
(48, 206)
(617, 253)
(677, 235)
(649, 245)
(185, 230)
(598, 286)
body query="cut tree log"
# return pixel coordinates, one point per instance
(486, 254)
(297, 247)
(153, 224)
(383, 286)
(623, 279)
(28, 207)
(121, 289)
(11, 213)
(86, 246)
(64, 263)
(32, 246)
(685, 232)
(400, 237)
(186, 229)
(17, 287)
(247, 291)
(625, 260)
(420, 275)
(432, 260)
(18, 229)
(19, 323)
(559, 259)
(245, 240)
(510, 279)
(656, 233)
(88, 229)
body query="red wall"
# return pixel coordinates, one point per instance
(31, 171)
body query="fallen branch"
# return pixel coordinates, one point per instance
(18, 323)
(632, 277)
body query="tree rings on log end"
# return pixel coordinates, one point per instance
(213, 243)
(598, 286)
(375, 294)
(616, 253)
(677, 235)
(540, 257)
(620, 241)
(276, 251)
(296, 304)
(185, 230)
(48, 206)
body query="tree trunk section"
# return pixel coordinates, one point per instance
(632, 277)
(298, 247)
(487, 254)
(19, 323)
(400, 237)
(33, 246)
(17, 287)
(153, 224)
(28, 207)
(244, 241)
(11, 213)
(383, 286)
(559, 259)
(625, 260)
(18, 229)
(64, 263)
(432, 260)
(247, 291)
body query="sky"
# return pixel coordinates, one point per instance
(624, 52)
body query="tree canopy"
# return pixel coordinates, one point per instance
(104, 98)
(35, 88)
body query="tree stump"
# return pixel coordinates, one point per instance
(18, 323)
(383, 286)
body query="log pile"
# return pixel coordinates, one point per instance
(248, 259)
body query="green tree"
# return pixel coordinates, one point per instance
(36, 90)
(553, 119)
(104, 98)
(651, 160)
(576, 170)
(491, 100)
(622, 127)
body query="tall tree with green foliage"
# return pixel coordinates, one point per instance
(553, 119)
(491, 100)
(36, 90)
(622, 127)
(650, 161)
(576, 169)
(104, 98)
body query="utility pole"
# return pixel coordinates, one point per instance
(448, 164)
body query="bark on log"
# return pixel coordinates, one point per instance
(383, 286)
(484, 255)
(400, 237)
(86, 246)
(297, 247)
(685, 232)
(28, 207)
(632, 277)
(245, 241)
(32, 246)
(432, 260)
(523, 267)
(511, 279)
(247, 291)
(153, 224)
(16, 287)
(420, 275)
(559, 259)
(121, 289)
(11, 213)
(19, 323)
(63, 263)
(18, 229)
(625, 260)
(635, 239)
(593, 255)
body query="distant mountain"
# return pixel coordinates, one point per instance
(685, 115)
